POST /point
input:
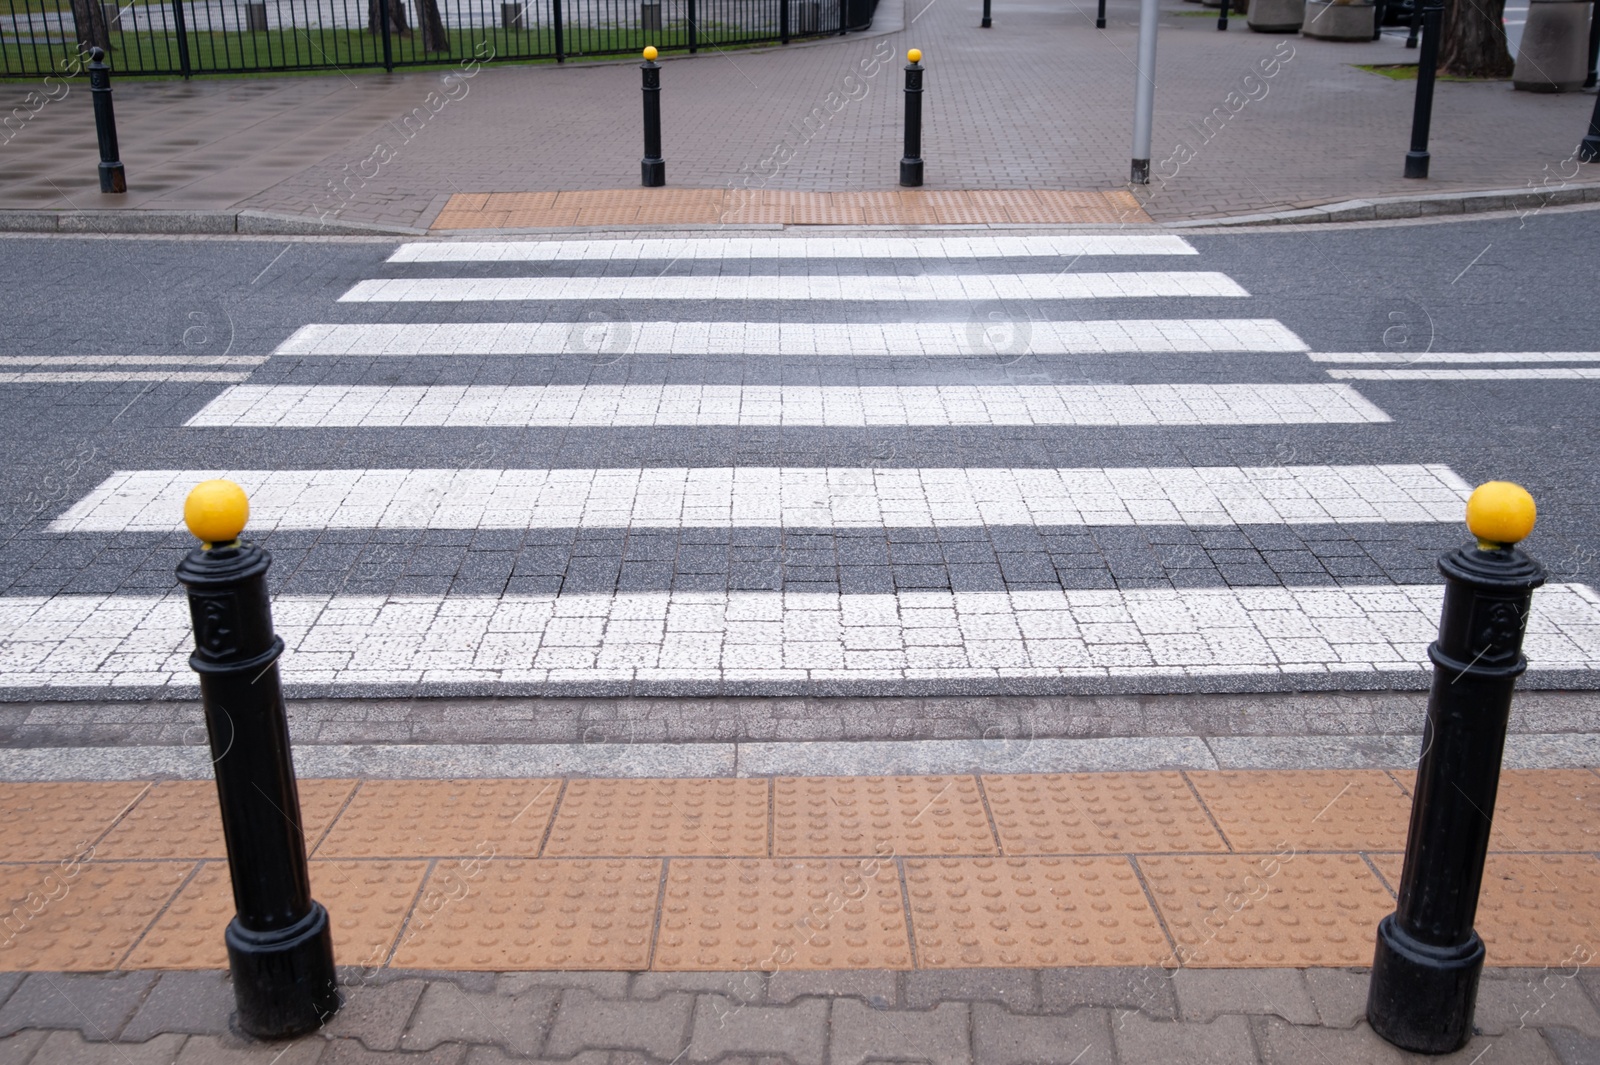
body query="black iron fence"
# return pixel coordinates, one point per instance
(184, 37)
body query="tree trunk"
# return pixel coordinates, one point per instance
(434, 38)
(90, 23)
(397, 16)
(1473, 41)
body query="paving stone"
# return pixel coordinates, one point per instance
(496, 1056)
(1536, 998)
(1204, 994)
(229, 1050)
(861, 1034)
(375, 1014)
(9, 982)
(18, 1048)
(584, 1021)
(1573, 1048)
(1000, 1037)
(351, 1052)
(604, 984)
(1225, 1041)
(1147, 989)
(875, 986)
(1017, 989)
(447, 1014)
(1286, 1044)
(69, 1048)
(727, 1026)
(98, 1006)
(199, 1003)
(749, 986)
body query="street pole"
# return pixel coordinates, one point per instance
(1428, 959)
(652, 168)
(112, 177)
(911, 162)
(280, 945)
(1589, 150)
(1144, 91)
(1422, 108)
(1594, 43)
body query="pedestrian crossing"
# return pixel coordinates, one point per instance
(778, 489)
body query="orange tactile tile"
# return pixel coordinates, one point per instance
(1031, 912)
(608, 215)
(84, 917)
(366, 904)
(545, 914)
(656, 818)
(995, 199)
(886, 816)
(758, 214)
(1276, 910)
(656, 214)
(181, 819)
(52, 822)
(1099, 813)
(771, 914)
(1547, 810)
(476, 201)
(899, 216)
(825, 215)
(512, 201)
(428, 818)
(879, 198)
(1330, 810)
(555, 217)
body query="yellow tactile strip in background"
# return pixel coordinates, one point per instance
(1206, 869)
(645, 207)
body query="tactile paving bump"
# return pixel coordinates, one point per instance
(879, 816)
(544, 914)
(1031, 912)
(366, 903)
(771, 914)
(426, 818)
(1332, 810)
(181, 819)
(657, 818)
(1277, 910)
(1099, 813)
(82, 921)
(1547, 810)
(52, 822)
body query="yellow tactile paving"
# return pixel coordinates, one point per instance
(1099, 813)
(81, 919)
(1031, 912)
(879, 816)
(1281, 909)
(1547, 810)
(545, 914)
(657, 818)
(424, 818)
(1335, 810)
(755, 914)
(180, 819)
(51, 822)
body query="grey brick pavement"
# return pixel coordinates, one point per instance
(964, 1017)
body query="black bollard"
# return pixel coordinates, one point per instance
(1422, 110)
(985, 23)
(653, 168)
(1416, 24)
(1222, 16)
(911, 163)
(112, 177)
(280, 945)
(1589, 149)
(1100, 16)
(1594, 44)
(1425, 970)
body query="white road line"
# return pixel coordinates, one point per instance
(544, 251)
(982, 338)
(606, 406)
(676, 497)
(86, 376)
(1533, 373)
(132, 360)
(119, 641)
(920, 287)
(1403, 358)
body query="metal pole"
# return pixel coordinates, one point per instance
(112, 177)
(985, 24)
(843, 11)
(911, 162)
(783, 21)
(1589, 149)
(1428, 958)
(1422, 110)
(561, 46)
(1144, 91)
(694, 35)
(1594, 43)
(388, 46)
(1100, 16)
(1222, 16)
(653, 168)
(280, 945)
(1416, 23)
(180, 27)
(1381, 12)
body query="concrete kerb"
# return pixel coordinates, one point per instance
(190, 223)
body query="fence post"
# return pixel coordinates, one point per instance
(112, 177)
(181, 27)
(1428, 958)
(388, 47)
(987, 22)
(844, 11)
(280, 945)
(911, 163)
(561, 44)
(694, 36)
(1222, 16)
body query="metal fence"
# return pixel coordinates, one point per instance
(184, 37)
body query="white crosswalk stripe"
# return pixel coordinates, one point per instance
(757, 496)
(1409, 358)
(733, 249)
(1496, 373)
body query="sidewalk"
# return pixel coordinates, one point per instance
(1245, 123)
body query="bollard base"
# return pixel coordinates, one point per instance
(112, 178)
(653, 172)
(911, 173)
(1141, 172)
(1416, 164)
(284, 982)
(1589, 150)
(1421, 998)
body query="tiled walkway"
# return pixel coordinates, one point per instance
(1191, 869)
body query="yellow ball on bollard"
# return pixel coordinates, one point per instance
(650, 53)
(1500, 514)
(914, 56)
(216, 511)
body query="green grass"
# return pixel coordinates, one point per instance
(1408, 72)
